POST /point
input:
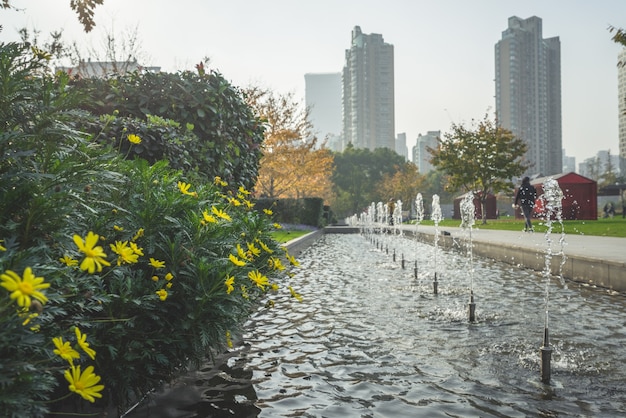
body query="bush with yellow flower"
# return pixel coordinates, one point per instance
(116, 274)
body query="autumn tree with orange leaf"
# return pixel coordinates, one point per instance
(292, 165)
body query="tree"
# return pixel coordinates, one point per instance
(83, 8)
(292, 165)
(482, 160)
(619, 37)
(404, 184)
(610, 174)
(357, 173)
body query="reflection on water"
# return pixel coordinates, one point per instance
(371, 340)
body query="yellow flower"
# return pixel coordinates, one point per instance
(68, 261)
(258, 278)
(23, 289)
(84, 384)
(81, 339)
(292, 260)
(64, 349)
(138, 235)
(134, 139)
(168, 285)
(276, 264)
(229, 284)
(268, 212)
(243, 190)
(155, 278)
(162, 294)
(234, 201)
(265, 247)
(253, 249)
(220, 182)
(156, 263)
(118, 228)
(2, 247)
(29, 316)
(208, 218)
(94, 255)
(241, 253)
(274, 287)
(294, 294)
(278, 226)
(184, 189)
(220, 213)
(229, 342)
(244, 291)
(135, 248)
(236, 261)
(169, 276)
(124, 252)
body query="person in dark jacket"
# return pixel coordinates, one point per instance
(525, 198)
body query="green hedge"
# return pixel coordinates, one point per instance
(307, 211)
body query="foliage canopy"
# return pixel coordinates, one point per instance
(482, 160)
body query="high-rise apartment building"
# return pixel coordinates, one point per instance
(401, 148)
(621, 93)
(323, 99)
(528, 92)
(421, 156)
(368, 92)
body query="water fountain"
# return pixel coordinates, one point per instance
(419, 217)
(362, 342)
(551, 199)
(468, 216)
(436, 216)
(397, 217)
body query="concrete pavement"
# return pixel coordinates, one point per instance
(594, 260)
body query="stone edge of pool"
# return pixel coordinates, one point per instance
(591, 271)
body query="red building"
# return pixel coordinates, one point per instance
(490, 207)
(580, 196)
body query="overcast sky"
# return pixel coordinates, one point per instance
(444, 49)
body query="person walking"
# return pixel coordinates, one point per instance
(525, 197)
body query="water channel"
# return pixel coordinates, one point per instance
(369, 339)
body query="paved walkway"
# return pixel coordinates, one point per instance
(592, 247)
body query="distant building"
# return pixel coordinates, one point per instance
(368, 92)
(421, 156)
(569, 163)
(323, 99)
(528, 91)
(401, 148)
(103, 69)
(596, 167)
(621, 106)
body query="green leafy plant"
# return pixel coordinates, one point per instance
(117, 274)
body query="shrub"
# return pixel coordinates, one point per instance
(119, 274)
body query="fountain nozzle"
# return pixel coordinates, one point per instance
(435, 284)
(472, 307)
(546, 357)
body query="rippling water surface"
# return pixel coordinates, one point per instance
(370, 339)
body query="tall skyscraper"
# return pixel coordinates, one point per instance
(528, 92)
(401, 148)
(621, 93)
(421, 156)
(368, 92)
(323, 98)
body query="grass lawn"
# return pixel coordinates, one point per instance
(284, 235)
(615, 227)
